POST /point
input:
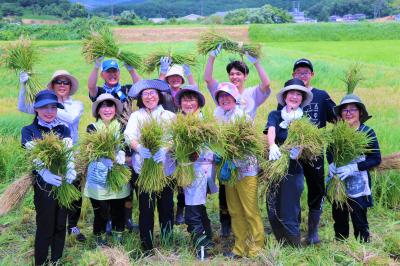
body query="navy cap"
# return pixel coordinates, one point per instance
(46, 97)
(303, 63)
(108, 64)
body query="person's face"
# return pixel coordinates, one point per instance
(111, 76)
(351, 114)
(226, 101)
(236, 77)
(107, 111)
(293, 99)
(175, 81)
(150, 98)
(304, 74)
(62, 86)
(47, 113)
(189, 104)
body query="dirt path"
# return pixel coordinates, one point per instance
(169, 34)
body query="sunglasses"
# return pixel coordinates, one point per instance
(64, 82)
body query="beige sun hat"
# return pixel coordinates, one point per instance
(176, 70)
(103, 97)
(298, 85)
(64, 73)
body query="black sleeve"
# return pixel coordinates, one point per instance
(330, 104)
(373, 158)
(67, 132)
(26, 135)
(99, 91)
(90, 128)
(273, 121)
(279, 107)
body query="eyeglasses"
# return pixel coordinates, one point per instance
(349, 111)
(64, 82)
(149, 93)
(302, 74)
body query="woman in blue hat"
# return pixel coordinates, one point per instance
(50, 216)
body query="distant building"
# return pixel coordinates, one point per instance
(348, 18)
(157, 20)
(299, 16)
(220, 14)
(191, 17)
(335, 19)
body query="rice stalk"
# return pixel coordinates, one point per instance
(21, 56)
(274, 171)
(116, 256)
(151, 177)
(352, 77)
(389, 162)
(210, 40)
(14, 194)
(118, 177)
(102, 43)
(152, 62)
(55, 155)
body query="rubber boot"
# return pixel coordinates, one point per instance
(129, 224)
(313, 222)
(293, 240)
(109, 228)
(179, 218)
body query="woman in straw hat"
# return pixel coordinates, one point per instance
(107, 204)
(149, 101)
(355, 175)
(50, 216)
(284, 197)
(64, 86)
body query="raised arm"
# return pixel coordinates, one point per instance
(23, 106)
(188, 74)
(92, 81)
(165, 62)
(208, 72)
(134, 74)
(265, 82)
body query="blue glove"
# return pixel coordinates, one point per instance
(128, 67)
(160, 155)
(23, 77)
(332, 169)
(226, 170)
(295, 153)
(252, 60)
(98, 61)
(107, 162)
(217, 50)
(165, 62)
(97, 173)
(186, 70)
(143, 152)
(217, 158)
(50, 178)
(346, 171)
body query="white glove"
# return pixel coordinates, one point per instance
(71, 173)
(38, 164)
(186, 70)
(252, 60)
(50, 178)
(23, 77)
(67, 142)
(332, 169)
(143, 152)
(98, 61)
(30, 144)
(120, 157)
(217, 50)
(274, 152)
(346, 171)
(165, 62)
(295, 153)
(160, 155)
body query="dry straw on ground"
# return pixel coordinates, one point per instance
(116, 256)
(14, 194)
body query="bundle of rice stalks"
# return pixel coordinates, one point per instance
(352, 77)
(55, 155)
(21, 56)
(389, 162)
(152, 62)
(151, 177)
(346, 145)
(210, 40)
(190, 134)
(105, 143)
(239, 140)
(14, 194)
(116, 256)
(102, 43)
(273, 171)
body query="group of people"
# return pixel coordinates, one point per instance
(161, 99)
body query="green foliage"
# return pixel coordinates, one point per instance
(264, 15)
(12, 159)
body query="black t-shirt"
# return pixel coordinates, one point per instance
(320, 110)
(124, 89)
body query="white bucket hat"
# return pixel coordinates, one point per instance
(64, 73)
(298, 85)
(103, 97)
(175, 70)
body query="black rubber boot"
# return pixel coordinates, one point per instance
(313, 222)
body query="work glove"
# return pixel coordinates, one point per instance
(23, 77)
(160, 155)
(186, 70)
(217, 158)
(107, 162)
(68, 142)
(30, 144)
(226, 170)
(332, 169)
(295, 153)
(216, 51)
(97, 173)
(50, 178)
(71, 173)
(38, 164)
(98, 61)
(274, 152)
(120, 157)
(128, 67)
(143, 152)
(165, 62)
(252, 59)
(346, 171)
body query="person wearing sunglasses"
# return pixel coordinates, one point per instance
(64, 86)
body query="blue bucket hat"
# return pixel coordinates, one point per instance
(46, 97)
(190, 88)
(108, 64)
(144, 84)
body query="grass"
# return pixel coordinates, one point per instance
(379, 91)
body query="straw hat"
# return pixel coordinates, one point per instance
(64, 73)
(103, 97)
(298, 85)
(352, 98)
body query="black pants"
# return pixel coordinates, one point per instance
(199, 225)
(51, 221)
(180, 198)
(105, 210)
(75, 212)
(314, 174)
(224, 217)
(165, 206)
(358, 217)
